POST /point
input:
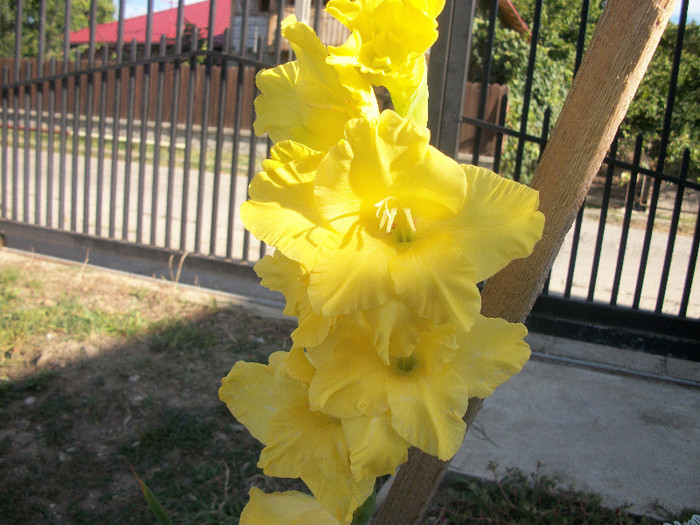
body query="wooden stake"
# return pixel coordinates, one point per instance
(615, 62)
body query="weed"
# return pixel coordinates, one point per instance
(181, 334)
(9, 276)
(515, 497)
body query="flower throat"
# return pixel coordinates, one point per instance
(395, 219)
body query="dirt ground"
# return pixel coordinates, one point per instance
(81, 407)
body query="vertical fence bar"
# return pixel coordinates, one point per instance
(27, 141)
(102, 128)
(16, 70)
(602, 220)
(648, 234)
(486, 76)
(318, 7)
(90, 94)
(75, 152)
(574, 253)
(4, 193)
(63, 136)
(188, 141)
(50, 136)
(145, 99)
(690, 273)
(544, 135)
(237, 124)
(220, 124)
(278, 29)
(245, 18)
(4, 174)
(174, 119)
(116, 117)
(629, 206)
(157, 137)
(673, 228)
(204, 133)
(527, 91)
(252, 161)
(581, 41)
(457, 70)
(502, 108)
(128, 152)
(665, 135)
(38, 164)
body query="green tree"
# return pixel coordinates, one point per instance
(55, 22)
(646, 113)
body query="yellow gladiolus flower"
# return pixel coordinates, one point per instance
(308, 100)
(298, 442)
(284, 508)
(383, 216)
(388, 41)
(425, 394)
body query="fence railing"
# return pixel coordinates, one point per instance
(88, 154)
(631, 254)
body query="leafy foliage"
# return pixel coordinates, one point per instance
(554, 65)
(646, 113)
(55, 24)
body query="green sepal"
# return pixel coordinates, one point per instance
(415, 107)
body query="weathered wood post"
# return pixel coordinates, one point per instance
(618, 55)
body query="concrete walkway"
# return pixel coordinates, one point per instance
(628, 438)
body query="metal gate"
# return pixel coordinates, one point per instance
(626, 274)
(141, 150)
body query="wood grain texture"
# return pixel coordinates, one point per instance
(615, 62)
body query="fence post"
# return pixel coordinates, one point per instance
(447, 74)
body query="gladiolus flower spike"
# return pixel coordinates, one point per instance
(380, 241)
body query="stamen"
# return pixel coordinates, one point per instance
(387, 211)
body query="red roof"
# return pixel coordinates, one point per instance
(164, 23)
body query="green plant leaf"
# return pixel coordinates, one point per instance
(155, 505)
(364, 513)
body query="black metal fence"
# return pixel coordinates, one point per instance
(92, 155)
(629, 262)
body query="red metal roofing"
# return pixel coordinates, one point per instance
(164, 23)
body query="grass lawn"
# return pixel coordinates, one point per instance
(101, 374)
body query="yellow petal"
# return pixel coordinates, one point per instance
(349, 378)
(389, 40)
(351, 273)
(388, 157)
(284, 508)
(281, 210)
(339, 495)
(250, 394)
(299, 440)
(490, 354)
(395, 328)
(309, 101)
(282, 274)
(375, 447)
(499, 221)
(427, 410)
(433, 276)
